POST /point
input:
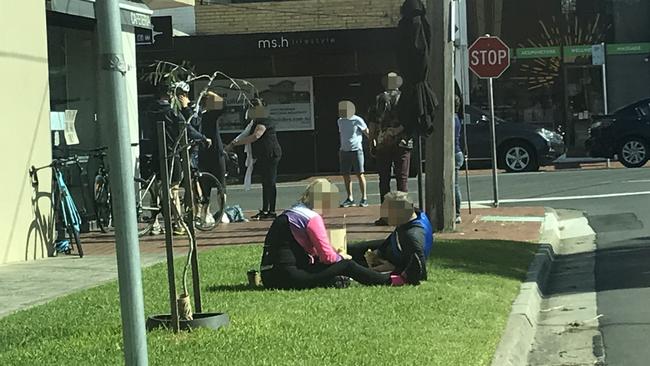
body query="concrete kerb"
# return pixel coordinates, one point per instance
(517, 339)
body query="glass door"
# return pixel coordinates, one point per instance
(584, 98)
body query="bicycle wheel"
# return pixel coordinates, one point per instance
(211, 201)
(148, 209)
(74, 238)
(103, 209)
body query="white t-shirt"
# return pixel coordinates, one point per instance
(351, 133)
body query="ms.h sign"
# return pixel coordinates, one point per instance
(489, 57)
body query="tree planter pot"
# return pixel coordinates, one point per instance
(201, 320)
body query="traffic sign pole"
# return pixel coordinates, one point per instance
(489, 58)
(493, 140)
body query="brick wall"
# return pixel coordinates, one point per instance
(295, 16)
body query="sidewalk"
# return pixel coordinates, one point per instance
(27, 284)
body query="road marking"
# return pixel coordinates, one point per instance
(638, 181)
(566, 198)
(512, 218)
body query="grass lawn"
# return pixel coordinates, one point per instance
(455, 318)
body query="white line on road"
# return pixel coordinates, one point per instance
(638, 181)
(565, 198)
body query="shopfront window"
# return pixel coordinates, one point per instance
(552, 81)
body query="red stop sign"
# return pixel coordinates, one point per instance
(489, 57)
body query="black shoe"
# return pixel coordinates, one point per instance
(259, 216)
(341, 282)
(382, 221)
(270, 216)
(413, 272)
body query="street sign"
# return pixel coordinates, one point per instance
(489, 57)
(598, 54)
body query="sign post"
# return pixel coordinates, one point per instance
(489, 58)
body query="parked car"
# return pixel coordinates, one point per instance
(622, 135)
(521, 147)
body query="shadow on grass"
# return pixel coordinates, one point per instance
(499, 258)
(242, 287)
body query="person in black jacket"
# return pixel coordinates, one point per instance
(267, 153)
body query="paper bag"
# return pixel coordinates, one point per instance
(338, 237)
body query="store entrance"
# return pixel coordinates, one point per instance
(584, 97)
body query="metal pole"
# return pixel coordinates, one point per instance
(167, 216)
(605, 96)
(495, 178)
(420, 186)
(113, 68)
(463, 65)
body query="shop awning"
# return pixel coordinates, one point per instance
(132, 14)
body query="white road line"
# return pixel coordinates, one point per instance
(638, 181)
(565, 198)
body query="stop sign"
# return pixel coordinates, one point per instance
(489, 57)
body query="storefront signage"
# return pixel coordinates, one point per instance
(284, 41)
(628, 48)
(542, 52)
(290, 101)
(576, 51)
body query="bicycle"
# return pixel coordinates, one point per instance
(68, 219)
(102, 191)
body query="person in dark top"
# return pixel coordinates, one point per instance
(298, 254)
(174, 121)
(391, 146)
(413, 236)
(267, 153)
(194, 119)
(214, 159)
(459, 156)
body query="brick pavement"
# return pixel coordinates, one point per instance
(359, 222)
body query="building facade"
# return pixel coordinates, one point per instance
(48, 57)
(346, 46)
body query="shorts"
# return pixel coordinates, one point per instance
(351, 162)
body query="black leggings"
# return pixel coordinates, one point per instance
(268, 169)
(321, 275)
(358, 250)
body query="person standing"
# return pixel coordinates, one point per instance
(392, 146)
(267, 153)
(459, 156)
(351, 159)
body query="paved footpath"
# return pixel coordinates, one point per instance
(27, 284)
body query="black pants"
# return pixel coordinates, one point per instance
(268, 169)
(358, 250)
(321, 275)
(397, 158)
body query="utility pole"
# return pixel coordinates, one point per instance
(112, 66)
(440, 162)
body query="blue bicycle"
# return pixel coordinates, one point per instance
(68, 219)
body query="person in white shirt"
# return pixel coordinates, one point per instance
(351, 131)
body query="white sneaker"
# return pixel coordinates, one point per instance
(458, 220)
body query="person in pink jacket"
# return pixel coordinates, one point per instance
(298, 255)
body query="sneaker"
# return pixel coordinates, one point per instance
(413, 272)
(406, 144)
(178, 230)
(270, 216)
(341, 282)
(347, 203)
(363, 203)
(382, 221)
(259, 216)
(458, 220)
